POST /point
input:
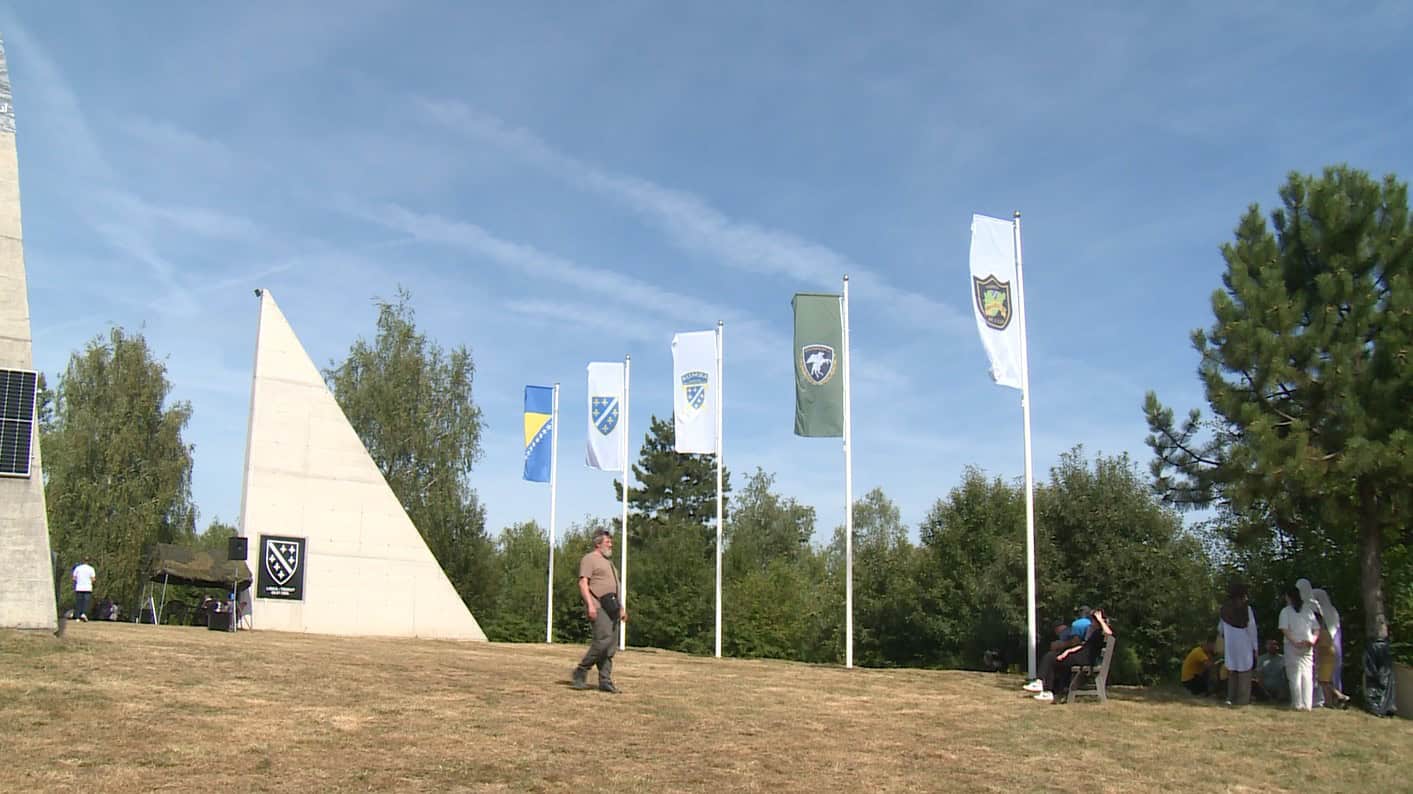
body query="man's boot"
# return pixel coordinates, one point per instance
(578, 680)
(606, 676)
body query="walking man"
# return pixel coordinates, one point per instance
(84, 577)
(598, 585)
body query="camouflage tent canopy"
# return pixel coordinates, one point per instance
(172, 564)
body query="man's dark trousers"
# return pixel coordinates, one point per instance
(601, 651)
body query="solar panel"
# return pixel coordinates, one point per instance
(17, 394)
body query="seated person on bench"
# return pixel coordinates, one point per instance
(1064, 638)
(1057, 668)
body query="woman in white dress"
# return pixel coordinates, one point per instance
(1238, 629)
(1300, 627)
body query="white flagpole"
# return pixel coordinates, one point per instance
(720, 444)
(848, 489)
(623, 536)
(554, 484)
(1029, 474)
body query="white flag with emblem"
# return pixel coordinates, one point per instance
(694, 391)
(605, 451)
(994, 297)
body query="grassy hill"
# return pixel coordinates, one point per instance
(123, 707)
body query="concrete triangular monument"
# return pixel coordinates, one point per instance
(332, 549)
(26, 571)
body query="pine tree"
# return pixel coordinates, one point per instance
(673, 538)
(1306, 371)
(672, 489)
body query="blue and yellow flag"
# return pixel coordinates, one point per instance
(539, 427)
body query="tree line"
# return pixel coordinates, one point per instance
(942, 601)
(1303, 468)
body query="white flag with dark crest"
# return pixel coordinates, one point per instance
(994, 297)
(694, 392)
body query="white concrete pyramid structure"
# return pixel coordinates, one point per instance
(26, 573)
(365, 568)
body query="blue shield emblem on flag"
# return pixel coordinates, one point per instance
(817, 363)
(605, 413)
(694, 386)
(993, 301)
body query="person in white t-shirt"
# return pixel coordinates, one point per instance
(1300, 627)
(84, 577)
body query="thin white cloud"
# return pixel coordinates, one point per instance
(585, 316)
(170, 140)
(130, 225)
(615, 289)
(199, 221)
(748, 337)
(697, 227)
(261, 41)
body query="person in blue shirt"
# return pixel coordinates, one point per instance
(1079, 628)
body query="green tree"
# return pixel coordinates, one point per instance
(411, 403)
(765, 527)
(117, 471)
(973, 543)
(1100, 539)
(672, 488)
(778, 598)
(892, 619)
(671, 591)
(519, 614)
(214, 537)
(1306, 371)
(1109, 543)
(672, 544)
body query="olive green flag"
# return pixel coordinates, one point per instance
(819, 359)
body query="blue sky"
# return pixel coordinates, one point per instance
(560, 183)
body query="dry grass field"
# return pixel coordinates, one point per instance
(122, 707)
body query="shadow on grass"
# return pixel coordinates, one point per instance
(1165, 694)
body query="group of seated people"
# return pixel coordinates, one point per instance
(1204, 671)
(1079, 643)
(185, 613)
(107, 610)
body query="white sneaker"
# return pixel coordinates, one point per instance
(83, 618)
(1034, 686)
(1045, 697)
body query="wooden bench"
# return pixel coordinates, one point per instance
(1100, 674)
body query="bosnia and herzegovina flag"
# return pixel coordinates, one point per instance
(539, 427)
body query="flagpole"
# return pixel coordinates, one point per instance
(623, 536)
(848, 489)
(554, 484)
(1029, 473)
(720, 444)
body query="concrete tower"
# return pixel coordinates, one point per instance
(26, 574)
(332, 549)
